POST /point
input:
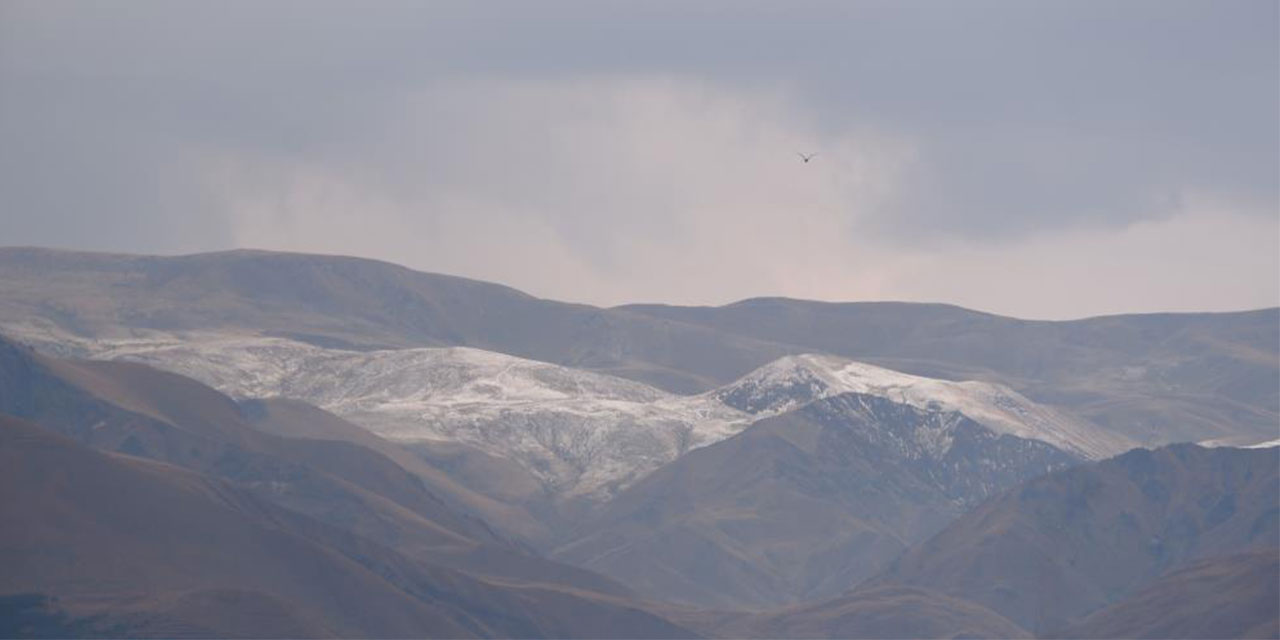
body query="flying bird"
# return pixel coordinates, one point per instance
(805, 158)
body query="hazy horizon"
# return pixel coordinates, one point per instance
(630, 302)
(1049, 161)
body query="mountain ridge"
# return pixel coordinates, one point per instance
(584, 435)
(1155, 378)
(1070, 542)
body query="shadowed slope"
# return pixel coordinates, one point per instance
(891, 612)
(300, 419)
(296, 419)
(81, 524)
(149, 413)
(134, 547)
(1235, 596)
(1061, 546)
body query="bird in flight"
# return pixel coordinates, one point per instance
(806, 158)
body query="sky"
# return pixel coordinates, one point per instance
(1038, 159)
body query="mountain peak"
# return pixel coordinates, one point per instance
(796, 380)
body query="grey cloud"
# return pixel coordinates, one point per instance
(1022, 119)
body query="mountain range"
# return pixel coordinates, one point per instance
(1156, 378)
(474, 461)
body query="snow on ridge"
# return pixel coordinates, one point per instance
(582, 433)
(1236, 443)
(998, 407)
(1269, 444)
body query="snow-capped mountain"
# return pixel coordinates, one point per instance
(795, 381)
(806, 503)
(581, 433)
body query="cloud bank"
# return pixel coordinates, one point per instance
(1071, 161)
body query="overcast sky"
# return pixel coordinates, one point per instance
(1038, 159)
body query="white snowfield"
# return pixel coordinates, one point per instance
(582, 434)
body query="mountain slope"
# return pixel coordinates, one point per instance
(1233, 596)
(133, 409)
(1061, 546)
(78, 524)
(296, 419)
(581, 434)
(892, 612)
(802, 505)
(122, 542)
